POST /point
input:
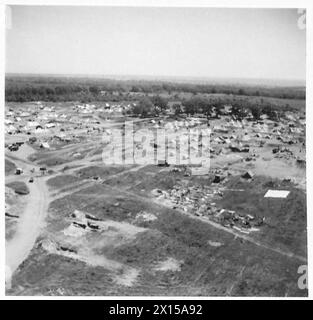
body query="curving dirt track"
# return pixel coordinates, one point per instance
(29, 225)
(32, 218)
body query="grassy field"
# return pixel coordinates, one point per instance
(207, 261)
(101, 172)
(9, 167)
(285, 219)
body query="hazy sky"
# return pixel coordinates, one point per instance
(197, 42)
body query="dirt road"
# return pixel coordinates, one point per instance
(32, 218)
(29, 226)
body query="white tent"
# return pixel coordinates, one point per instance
(39, 130)
(45, 145)
(32, 124)
(8, 121)
(50, 125)
(25, 114)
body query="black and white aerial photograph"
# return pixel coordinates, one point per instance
(155, 151)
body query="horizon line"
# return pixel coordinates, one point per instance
(161, 77)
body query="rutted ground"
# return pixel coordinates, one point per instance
(141, 247)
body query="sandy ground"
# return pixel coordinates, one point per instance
(31, 219)
(28, 226)
(14, 206)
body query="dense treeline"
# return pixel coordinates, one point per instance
(22, 89)
(210, 107)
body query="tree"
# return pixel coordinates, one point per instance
(207, 109)
(270, 110)
(196, 104)
(256, 111)
(238, 110)
(50, 91)
(219, 105)
(94, 90)
(159, 102)
(177, 108)
(143, 108)
(190, 108)
(241, 92)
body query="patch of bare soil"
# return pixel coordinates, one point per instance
(14, 205)
(170, 264)
(85, 238)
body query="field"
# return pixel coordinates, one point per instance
(173, 254)
(9, 167)
(76, 225)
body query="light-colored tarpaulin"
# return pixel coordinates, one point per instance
(276, 194)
